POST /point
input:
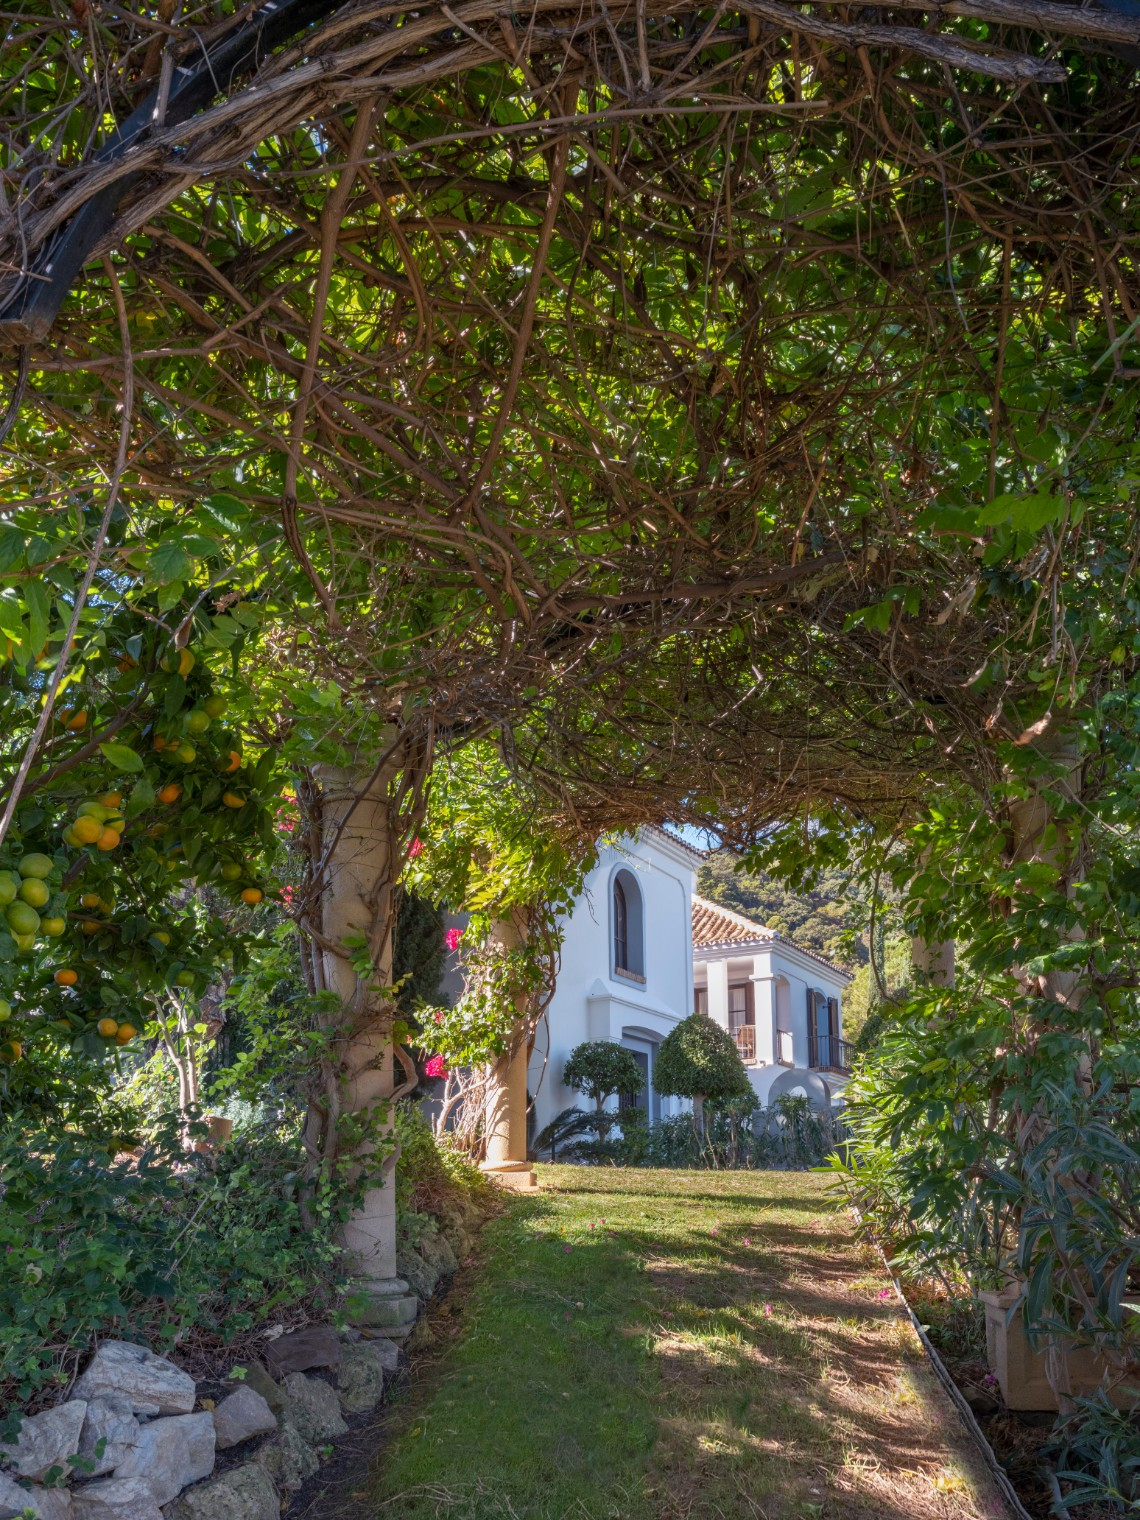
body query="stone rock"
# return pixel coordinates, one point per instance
(171, 1453)
(243, 1493)
(314, 1346)
(259, 1380)
(46, 1440)
(387, 1352)
(360, 1379)
(288, 1459)
(314, 1409)
(421, 1277)
(435, 1248)
(46, 1503)
(110, 1420)
(243, 1414)
(115, 1499)
(153, 1385)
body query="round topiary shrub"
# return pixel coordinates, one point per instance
(602, 1069)
(699, 1060)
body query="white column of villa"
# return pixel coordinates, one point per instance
(934, 959)
(505, 1111)
(357, 901)
(764, 1009)
(718, 992)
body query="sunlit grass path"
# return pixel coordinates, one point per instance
(657, 1345)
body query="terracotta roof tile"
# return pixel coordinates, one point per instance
(714, 926)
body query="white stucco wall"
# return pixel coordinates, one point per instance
(592, 1000)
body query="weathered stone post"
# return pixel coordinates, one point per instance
(504, 1113)
(361, 843)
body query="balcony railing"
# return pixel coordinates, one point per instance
(825, 1053)
(746, 1042)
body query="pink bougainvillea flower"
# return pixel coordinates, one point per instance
(567, 1248)
(883, 1293)
(714, 1230)
(748, 1240)
(415, 848)
(452, 937)
(767, 1311)
(438, 1015)
(435, 1069)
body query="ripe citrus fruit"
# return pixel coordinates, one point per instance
(67, 977)
(227, 767)
(87, 830)
(11, 1051)
(53, 926)
(125, 1032)
(22, 918)
(170, 792)
(90, 900)
(111, 799)
(252, 896)
(232, 800)
(180, 661)
(90, 926)
(76, 721)
(35, 865)
(215, 706)
(108, 839)
(36, 893)
(162, 936)
(159, 743)
(108, 1028)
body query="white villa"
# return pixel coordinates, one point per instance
(642, 951)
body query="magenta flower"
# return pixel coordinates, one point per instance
(451, 939)
(714, 1230)
(883, 1293)
(567, 1248)
(416, 848)
(767, 1311)
(435, 1069)
(748, 1240)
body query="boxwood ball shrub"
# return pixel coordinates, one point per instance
(601, 1069)
(699, 1060)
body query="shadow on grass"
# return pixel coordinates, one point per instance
(668, 1352)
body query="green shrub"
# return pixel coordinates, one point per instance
(699, 1060)
(148, 1245)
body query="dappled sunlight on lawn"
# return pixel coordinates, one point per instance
(675, 1346)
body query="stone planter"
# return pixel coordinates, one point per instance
(1020, 1370)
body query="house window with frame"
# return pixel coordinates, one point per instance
(701, 1000)
(627, 928)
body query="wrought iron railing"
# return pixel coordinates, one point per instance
(746, 1041)
(826, 1053)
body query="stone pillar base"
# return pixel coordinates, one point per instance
(513, 1174)
(387, 1305)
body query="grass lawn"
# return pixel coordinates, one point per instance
(650, 1345)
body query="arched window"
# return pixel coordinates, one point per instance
(621, 927)
(628, 926)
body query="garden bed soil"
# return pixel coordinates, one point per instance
(1019, 1439)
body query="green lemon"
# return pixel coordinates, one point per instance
(5, 1010)
(197, 721)
(9, 887)
(186, 752)
(185, 979)
(53, 926)
(36, 865)
(35, 892)
(161, 936)
(92, 810)
(215, 706)
(25, 943)
(231, 871)
(22, 919)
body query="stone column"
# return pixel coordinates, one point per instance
(505, 1111)
(933, 959)
(358, 901)
(718, 992)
